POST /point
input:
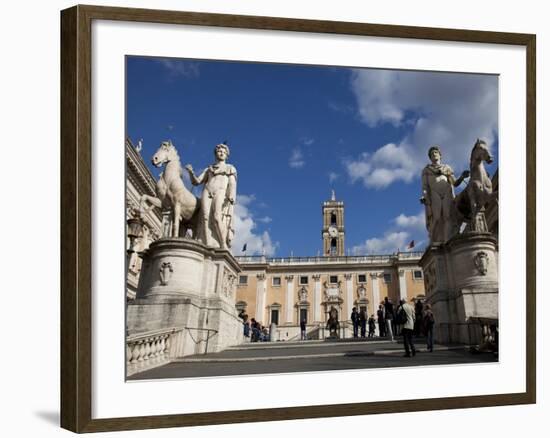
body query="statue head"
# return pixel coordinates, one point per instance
(165, 153)
(221, 147)
(432, 151)
(480, 151)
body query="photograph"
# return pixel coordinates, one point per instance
(300, 218)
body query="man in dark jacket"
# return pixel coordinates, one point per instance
(381, 321)
(389, 316)
(355, 321)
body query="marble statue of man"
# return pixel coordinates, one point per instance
(217, 199)
(438, 182)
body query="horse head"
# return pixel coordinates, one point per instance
(480, 152)
(164, 154)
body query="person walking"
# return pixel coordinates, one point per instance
(429, 322)
(363, 322)
(355, 321)
(372, 326)
(418, 312)
(303, 335)
(407, 314)
(381, 321)
(389, 317)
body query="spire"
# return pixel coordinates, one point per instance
(333, 198)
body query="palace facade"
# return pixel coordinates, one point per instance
(288, 290)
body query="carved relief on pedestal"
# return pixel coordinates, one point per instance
(166, 271)
(481, 261)
(229, 283)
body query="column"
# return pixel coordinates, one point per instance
(375, 290)
(403, 284)
(261, 292)
(375, 299)
(289, 298)
(317, 299)
(349, 295)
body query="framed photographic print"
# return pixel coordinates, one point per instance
(294, 205)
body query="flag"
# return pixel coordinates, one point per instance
(410, 245)
(244, 248)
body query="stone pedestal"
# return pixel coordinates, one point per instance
(190, 287)
(461, 282)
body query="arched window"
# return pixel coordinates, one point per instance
(333, 246)
(333, 218)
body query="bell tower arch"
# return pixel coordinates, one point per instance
(333, 232)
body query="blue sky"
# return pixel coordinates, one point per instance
(297, 132)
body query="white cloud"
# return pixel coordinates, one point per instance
(388, 244)
(180, 68)
(405, 229)
(417, 222)
(308, 141)
(296, 160)
(388, 164)
(332, 176)
(264, 220)
(451, 110)
(246, 230)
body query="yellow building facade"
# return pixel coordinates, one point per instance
(288, 290)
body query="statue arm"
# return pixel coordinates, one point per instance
(231, 193)
(197, 180)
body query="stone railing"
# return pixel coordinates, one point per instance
(328, 259)
(149, 350)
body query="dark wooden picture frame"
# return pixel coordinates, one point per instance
(76, 217)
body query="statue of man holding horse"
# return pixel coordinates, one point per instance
(218, 199)
(438, 182)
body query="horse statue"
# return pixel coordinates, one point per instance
(479, 192)
(171, 192)
(332, 324)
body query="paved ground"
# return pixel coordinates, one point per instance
(265, 358)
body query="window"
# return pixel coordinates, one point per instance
(417, 275)
(333, 218)
(303, 279)
(275, 316)
(333, 247)
(362, 278)
(276, 281)
(243, 279)
(387, 278)
(333, 279)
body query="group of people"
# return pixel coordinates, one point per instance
(253, 329)
(359, 321)
(408, 321)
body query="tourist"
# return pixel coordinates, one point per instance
(429, 322)
(408, 312)
(363, 322)
(418, 307)
(381, 321)
(372, 326)
(389, 317)
(246, 328)
(303, 335)
(355, 321)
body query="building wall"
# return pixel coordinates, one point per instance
(261, 298)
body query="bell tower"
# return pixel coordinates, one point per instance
(333, 232)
